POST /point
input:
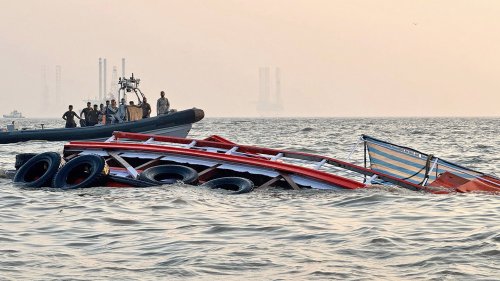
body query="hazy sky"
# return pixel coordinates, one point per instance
(337, 58)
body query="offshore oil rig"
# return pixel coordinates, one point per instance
(269, 106)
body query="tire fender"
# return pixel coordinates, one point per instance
(235, 184)
(39, 170)
(169, 174)
(81, 172)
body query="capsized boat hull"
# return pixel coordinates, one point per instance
(216, 156)
(142, 160)
(210, 158)
(175, 124)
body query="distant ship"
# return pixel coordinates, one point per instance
(14, 114)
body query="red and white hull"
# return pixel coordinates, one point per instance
(219, 156)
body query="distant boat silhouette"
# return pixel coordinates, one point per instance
(14, 114)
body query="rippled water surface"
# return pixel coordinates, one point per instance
(183, 232)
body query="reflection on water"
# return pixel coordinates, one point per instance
(184, 232)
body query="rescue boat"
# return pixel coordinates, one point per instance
(175, 123)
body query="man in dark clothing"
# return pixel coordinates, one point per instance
(107, 113)
(93, 116)
(101, 114)
(69, 116)
(146, 109)
(86, 111)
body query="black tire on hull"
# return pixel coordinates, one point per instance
(39, 170)
(235, 184)
(169, 174)
(81, 172)
(22, 158)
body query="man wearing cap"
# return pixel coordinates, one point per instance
(86, 111)
(162, 105)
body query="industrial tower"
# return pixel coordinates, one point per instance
(268, 106)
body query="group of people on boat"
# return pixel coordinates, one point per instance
(111, 113)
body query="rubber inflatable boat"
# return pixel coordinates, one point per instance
(142, 160)
(176, 124)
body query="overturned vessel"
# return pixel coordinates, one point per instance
(142, 160)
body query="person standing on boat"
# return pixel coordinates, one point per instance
(111, 113)
(146, 108)
(69, 116)
(106, 113)
(93, 116)
(86, 111)
(101, 115)
(162, 105)
(122, 111)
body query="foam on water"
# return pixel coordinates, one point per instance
(185, 232)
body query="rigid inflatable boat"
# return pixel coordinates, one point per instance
(176, 123)
(142, 160)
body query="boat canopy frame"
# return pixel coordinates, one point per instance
(130, 85)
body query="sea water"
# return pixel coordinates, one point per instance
(181, 232)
